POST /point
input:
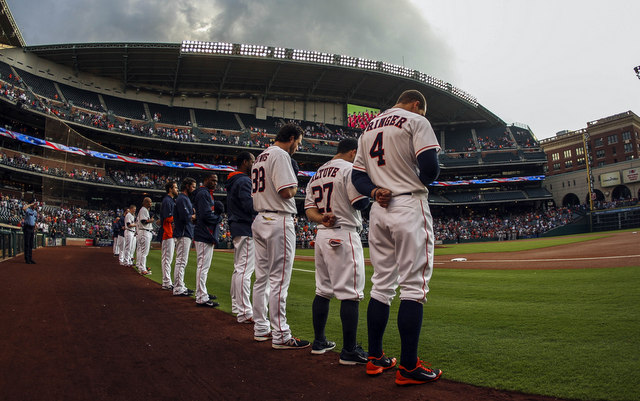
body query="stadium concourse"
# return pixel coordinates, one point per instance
(78, 326)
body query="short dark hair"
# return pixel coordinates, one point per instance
(289, 131)
(412, 95)
(169, 185)
(187, 182)
(347, 145)
(242, 156)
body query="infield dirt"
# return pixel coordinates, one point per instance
(77, 326)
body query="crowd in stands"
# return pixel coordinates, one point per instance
(59, 221)
(23, 162)
(501, 227)
(498, 143)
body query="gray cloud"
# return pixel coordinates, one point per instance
(376, 29)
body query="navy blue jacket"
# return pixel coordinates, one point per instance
(240, 205)
(182, 224)
(208, 216)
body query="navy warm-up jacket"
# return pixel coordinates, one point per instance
(240, 204)
(207, 217)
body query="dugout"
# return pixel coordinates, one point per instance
(615, 219)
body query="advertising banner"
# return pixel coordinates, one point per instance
(610, 179)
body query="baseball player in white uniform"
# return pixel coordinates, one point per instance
(129, 235)
(144, 225)
(397, 158)
(334, 203)
(166, 232)
(274, 185)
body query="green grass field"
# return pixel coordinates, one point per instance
(564, 333)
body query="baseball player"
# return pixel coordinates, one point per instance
(397, 158)
(333, 202)
(121, 239)
(129, 235)
(144, 225)
(274, 186)
(115, 229)
(205, 236)
(166, 232)
(183, 233)
(241, 215)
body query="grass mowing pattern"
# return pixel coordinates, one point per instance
(564, 333)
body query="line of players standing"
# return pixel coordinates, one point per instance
(260, 198)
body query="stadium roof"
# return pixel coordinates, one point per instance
(9, 33)
(222, 70)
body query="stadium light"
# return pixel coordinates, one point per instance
(637, 70)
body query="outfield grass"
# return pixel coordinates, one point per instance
(564, 333)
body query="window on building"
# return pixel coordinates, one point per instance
(628, 147)
(580, 161)
(556, 166)
(568, 164)
(579, 151)
(567, 154)
(601, 164)
(600, 153)
(555, 157)
(611, 139)
(597, 142)
(613, 151)
(626, 136)
(628, 157)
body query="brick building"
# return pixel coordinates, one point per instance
(612, 143)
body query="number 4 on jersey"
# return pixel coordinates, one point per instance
(377, 149)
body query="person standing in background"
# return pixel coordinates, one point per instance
(241, 215)
(28, 231)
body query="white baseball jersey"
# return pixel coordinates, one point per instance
(389, 147)
(331, 191)
(143, 214)
(271, 173)
(129, 219)
(338, 250)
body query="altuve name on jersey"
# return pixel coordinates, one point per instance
(384, 122)
(325, 172)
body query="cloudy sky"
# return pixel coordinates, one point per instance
(550, 64)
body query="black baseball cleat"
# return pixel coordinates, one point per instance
(210, 304)
(356, 357)
(211, 296)
(189, 291)
(182, 294)
(418, 375)
(320, 347)
(375, 366)
(292, 343)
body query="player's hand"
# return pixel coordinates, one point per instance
(328, 219)
(383, 197)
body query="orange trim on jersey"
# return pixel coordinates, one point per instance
(234, 174)
(357, 198)
(293, 184)
(427, 148)
(364, 170)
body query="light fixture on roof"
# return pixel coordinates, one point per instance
(637, 70)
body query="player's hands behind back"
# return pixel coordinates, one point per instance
(382, 196)
(328, 219)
